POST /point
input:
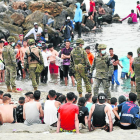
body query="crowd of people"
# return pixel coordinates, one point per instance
(70, 114)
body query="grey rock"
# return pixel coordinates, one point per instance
(4, 33)
(90, 24)
(85, 28)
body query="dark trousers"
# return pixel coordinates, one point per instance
(61, 74)
(78, 28)
(19, 68)
(99, 19)
(44, 75)
(132, 126)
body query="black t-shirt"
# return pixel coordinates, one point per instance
(83, 111)
(115, 58)
(19, 114)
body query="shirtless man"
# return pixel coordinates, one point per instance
(32, 111)
(7, 111)
(23, 50)
(1, 97)
(2, 71)
(101, 12)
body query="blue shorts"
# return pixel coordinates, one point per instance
(123, 74)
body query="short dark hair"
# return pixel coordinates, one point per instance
(50, 46)
(130, 53)
(37, 94)
(67, 40)
(94, 99)
(57, 95)
(100, 4)
(113, 100)
(110, 48)
(44, 48)
(70, 96)
(81, 101)
(87, 48)
(52, 93)
(7, 94)
(61, 98)
(29, 94)
(75, 98)
(21, 100)
(88, 96)
(1, 41)
(132, 96)
(46, 11)
(1, 92)
(132, 11)
(138, 2)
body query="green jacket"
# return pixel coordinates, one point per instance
(78, 56)
(103, 66)
(8, 55)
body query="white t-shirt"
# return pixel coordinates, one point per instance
(112, 114)
(45, 58)
(87, 3)
(32, 31)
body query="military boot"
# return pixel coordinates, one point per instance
(35, 88)
(15, 90)
(9, 89)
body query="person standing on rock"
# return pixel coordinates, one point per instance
(36, 30)
(31, 63)
(136, 65)
(104, 70)
(78, 19)
(79, 65)
(10, 64)
(111, 4)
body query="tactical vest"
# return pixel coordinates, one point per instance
(6, 55)
(136, 64)
(101, 63)
(78, 56)
(36, 52)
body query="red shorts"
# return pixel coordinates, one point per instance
(53, 68)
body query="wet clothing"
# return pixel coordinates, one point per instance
(50, 112)
(67, 116)
(99, 116)
(19, 114)
(53, 68)
(133, 16)
(32, 114)
(138, 7)
(78, 64)
(83, 112)
(128, 112)
(10, 65)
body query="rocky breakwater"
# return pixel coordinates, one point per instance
(18, 17)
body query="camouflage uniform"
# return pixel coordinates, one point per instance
(103, 70)
(136, 64)
(78, 64)
(32, 65)
(10, 64)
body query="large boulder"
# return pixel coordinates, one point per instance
(37, 16)
(107, 18)
(116, 19)
(18, 18)
(4, 33)
(90, 24)
(85, 28)
(53, 9)
(107, 9)
(98, 1)
(25, 13)
(5, 18)
(3, 7)
(11, 28)
(19, 5)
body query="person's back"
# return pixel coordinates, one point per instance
(50, 112)
(67, 32)
(32, 113)
(99, 116)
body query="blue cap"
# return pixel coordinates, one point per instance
(39, 44)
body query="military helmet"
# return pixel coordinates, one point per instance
(102, 46)
(80, 41)
(138, 50)
(11, 39)
(31, 41)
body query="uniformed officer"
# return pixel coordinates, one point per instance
(79, 65)
(104, 70)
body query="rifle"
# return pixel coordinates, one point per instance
(34, 57)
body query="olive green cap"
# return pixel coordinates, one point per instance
(80, 41)
(31, 41)
(102, 46)
(138, 50)
(11, 39)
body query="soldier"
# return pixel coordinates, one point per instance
(104, 70)
(10, 64)
(136, 65)
(31, 63)
(78, 65)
